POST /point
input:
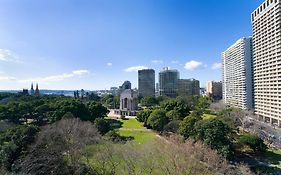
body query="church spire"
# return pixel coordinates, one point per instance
(37, 93)
(32, 89)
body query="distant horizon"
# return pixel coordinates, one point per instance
(96, 44)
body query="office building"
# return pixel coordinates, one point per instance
(238, 74)
(146, 82)
(168, 82)
(188, 87)
(266, 23)
(214, 90)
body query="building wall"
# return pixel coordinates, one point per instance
(168, 82)
(188, 87)
(266, 23)
(237, 74)
(146, 82)
(214, 90)
(128, 100)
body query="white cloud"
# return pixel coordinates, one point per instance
(109, 64)
(191, 65)
(135, 68)
(7, 78)
(80, 72)
(157, 61)
(216, 66)
(8, 56)
(54, 78)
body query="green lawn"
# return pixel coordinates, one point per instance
(131, 123)
(132, 127)
(140, 137)
(208, 116)
(274, 157)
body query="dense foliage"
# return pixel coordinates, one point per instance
(48, 109)
(254, 142)
(13, 142)
(157, 119)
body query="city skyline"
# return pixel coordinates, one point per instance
(86, 44)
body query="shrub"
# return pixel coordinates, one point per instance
(157, 119)
(123, 117)
(254, 142)
(102, 125)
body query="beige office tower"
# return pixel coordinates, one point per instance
(266, 22)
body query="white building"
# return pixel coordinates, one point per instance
(238, 75)
(266, 23)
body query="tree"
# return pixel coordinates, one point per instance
(142, 116)
(179, 104)
(187, 126)
(13, 143)
(59, 148)
(102, 125)
(172, 126)
(96, 110)
(157, 119)
(254, 142)
(217, 135)
(174, 115)
(148, 101)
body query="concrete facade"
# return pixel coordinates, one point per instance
(188, 87)
(214, 90)
(266, 23)
(238, 74)
(128, 102)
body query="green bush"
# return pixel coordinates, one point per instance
(142, 116)
(157, 119)
(254, 142)
(13, 142)
(102, 125)
(123, 117)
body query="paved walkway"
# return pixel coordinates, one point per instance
(116, 116)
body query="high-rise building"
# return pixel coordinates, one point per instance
(146, 82)
(214, 90)
(168, 82)
(266, 23)
(238, 74)
(188, 87)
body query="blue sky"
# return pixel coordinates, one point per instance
(96, 44)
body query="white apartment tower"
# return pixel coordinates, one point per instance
(238, 74)
(266, 23)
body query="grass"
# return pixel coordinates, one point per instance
(208, 116)
(274, 156)
(140, 137)
(129, 127)
(131, 123)
(132, 127)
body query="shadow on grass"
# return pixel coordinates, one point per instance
(264, 163)
(274, 158)
(114, 124)
(115, 137)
